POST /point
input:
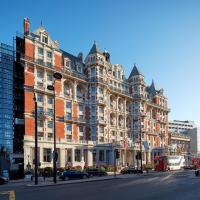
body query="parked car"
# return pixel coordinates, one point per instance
(188, 167)
(97, 172)
(3, 180)
(130, 170)
(73, 174)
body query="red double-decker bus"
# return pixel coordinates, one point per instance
(160, 163)
(196, 162)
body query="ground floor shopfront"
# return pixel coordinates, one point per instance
(86, 153)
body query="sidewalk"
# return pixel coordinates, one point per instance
(48, 182)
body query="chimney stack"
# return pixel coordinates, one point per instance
(26, 26)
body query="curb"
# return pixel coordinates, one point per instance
(72, 182)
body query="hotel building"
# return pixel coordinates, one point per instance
(97, 108)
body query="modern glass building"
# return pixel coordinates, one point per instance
(6, 97)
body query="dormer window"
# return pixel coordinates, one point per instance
(79, 68)
(45, 39)
(67, 63)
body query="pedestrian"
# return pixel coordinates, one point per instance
(44, 175)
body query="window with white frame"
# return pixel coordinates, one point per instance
(93, 132)
(93, 72)
(68, 110)
(40, 123)
(101, 130)
(50, 124)
(40, 74)
(50, 100)
(40, 110)
(44, 39)
(81, 111)
(93, 98)
(49, 77)
(79, 68)
(101, 90)
(80, 129)
(69, 128)
(101, 71)
(94, 109)
(93, 90)
(50, 112)
(119, 75)
(49, 55)
(79, 92)
(67, 63)
(40, 98)
(66, 89)
(46, 155)
(101, 110)
(77, 155)
(40, 51)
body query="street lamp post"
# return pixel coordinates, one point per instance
(36, 142)
(57, 76)
(139, 154)
(141, 145)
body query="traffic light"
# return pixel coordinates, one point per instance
(117, 153)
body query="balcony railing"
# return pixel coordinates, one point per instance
(95, 80)
(120, 91)
(50, 65)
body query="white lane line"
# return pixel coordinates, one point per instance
(167, 177)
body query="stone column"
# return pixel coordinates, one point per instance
(117, 115)
(72, 156)
(90, 157)
(125, 115)
(75, 91)
(97, 156)
(62, 157)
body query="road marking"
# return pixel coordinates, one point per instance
(167, 177)
(10, 193)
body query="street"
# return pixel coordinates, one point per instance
(181, 185)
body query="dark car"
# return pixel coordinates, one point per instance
(197, 172)
(188, 167)
(97, 172)
(130, 170)
(3, 180)
(73, 174)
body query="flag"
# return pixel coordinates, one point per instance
(126, 143)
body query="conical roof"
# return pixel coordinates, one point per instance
(134, 71)
(94, 49)
(153, 86)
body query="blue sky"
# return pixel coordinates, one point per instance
(161, 37)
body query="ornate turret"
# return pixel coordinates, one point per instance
(94, 49)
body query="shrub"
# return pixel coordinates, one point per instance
(48, 171)
(78, 167)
